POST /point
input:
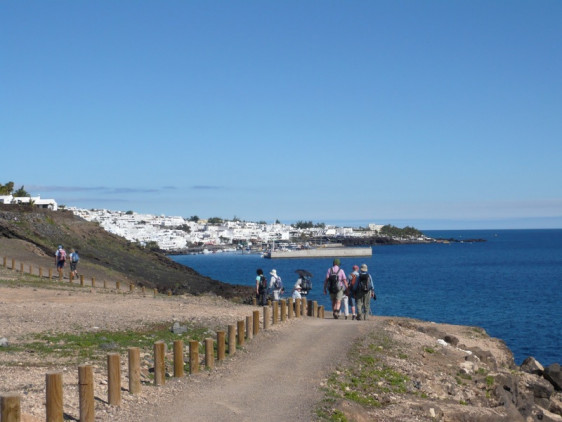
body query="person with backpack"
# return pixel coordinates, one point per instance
(352, 280)
(261, 288)
(335, 283)
(364, 291)
(60, 259)
(276, 285)
(74, 258)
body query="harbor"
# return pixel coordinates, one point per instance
(321, 252)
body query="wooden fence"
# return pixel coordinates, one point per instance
(214, 350)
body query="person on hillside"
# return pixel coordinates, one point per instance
(364, 291)
(351, 287)
(334, 283)
(60, 259)
(276, 285)
(74, 258)
(261, 288)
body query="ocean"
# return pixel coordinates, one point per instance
(510, 285)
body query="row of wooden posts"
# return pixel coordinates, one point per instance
(59, 276)
(10, 410)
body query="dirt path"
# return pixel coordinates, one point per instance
(278, 378)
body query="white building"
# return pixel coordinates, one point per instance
(50, 204)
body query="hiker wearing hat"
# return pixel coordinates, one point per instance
(60, 259)
(275, 284)
(364, 291)
(335, 283)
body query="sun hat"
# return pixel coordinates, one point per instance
(273, 272)
(364, 267)
(60, 246)
(337, 261)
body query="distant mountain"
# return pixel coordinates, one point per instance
(34, 235)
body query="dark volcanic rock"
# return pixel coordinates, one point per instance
(552, 373)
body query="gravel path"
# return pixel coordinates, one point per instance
(277, 379)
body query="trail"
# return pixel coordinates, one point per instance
(277, 379)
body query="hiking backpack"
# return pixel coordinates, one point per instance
(277, 284)
(364, 284)
(74, 257)
(334, 282)
(61, 255)
(263, 284)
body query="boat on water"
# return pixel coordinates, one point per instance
(320, 252)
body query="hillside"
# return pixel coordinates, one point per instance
(32, 236)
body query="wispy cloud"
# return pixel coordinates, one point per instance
(100, 189)
(207, 187)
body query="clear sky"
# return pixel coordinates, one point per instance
(436, 114)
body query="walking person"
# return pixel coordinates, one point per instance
(351, 288)
(60, 259)
(276, 284)
(365, 290)
(74, 258)
(297, 288)
(334, 283)
(261, 288)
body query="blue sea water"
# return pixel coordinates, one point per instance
(510, 285)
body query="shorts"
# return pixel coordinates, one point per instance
(60, 264)
(73, 266)
(337, 296)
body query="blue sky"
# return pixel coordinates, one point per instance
(437, 114)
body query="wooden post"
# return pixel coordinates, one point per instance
(86, 393)
(283, 310)
(155, 292)
(209, 353)
(255, 301)
(131, 287)
(21, 267)
(275, 312)
(169, 292)
(13, 264)
(297, 308)
(315, 309)
(40, 272)
(304, 307)
(231, 339)
(117, 285)
(322, 311)
(241, 332)
(10, 410)
(143, 290)
(290, 308)
(5, 264)
(159, 363)
(193, 357)
(54, 397)
(256, 321)
(178, 359)
(221, 345)
(134, 370)
(61, 275)
(249, 327)
(50, 273)
(265, 317)
(30, 269)
(113, 379)
(70, 277)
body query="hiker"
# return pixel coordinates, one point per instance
(297, 289)
(351, 288)
(276, 285)
(74, 258)
(335, 283)
(261, 288)
(60, 259)
(365, 290)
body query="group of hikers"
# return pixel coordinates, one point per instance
(60, 260)
(355, 290)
